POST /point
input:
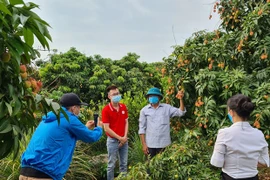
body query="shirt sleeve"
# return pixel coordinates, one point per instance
(142, 123)
(264, 156)
(176, 112)
(126, 112)
(104, 116)
(218, 155)
(81, 132)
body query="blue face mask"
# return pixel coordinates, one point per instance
(230, 117)
(116, 98)
(153, 99)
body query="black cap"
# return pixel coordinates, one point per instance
(71, 99)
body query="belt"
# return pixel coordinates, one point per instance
(31, 172)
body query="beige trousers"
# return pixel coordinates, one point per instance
(32, 178)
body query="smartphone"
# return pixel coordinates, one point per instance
(95, 119)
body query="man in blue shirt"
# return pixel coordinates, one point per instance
(51, 147)
(154, 122)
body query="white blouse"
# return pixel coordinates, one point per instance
(238, 149)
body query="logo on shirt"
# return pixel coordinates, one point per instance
(123, 112)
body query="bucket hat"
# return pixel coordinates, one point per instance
(154, 91)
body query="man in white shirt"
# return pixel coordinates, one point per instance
(154, 122)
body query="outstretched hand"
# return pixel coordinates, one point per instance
(180, 94)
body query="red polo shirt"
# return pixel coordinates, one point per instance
(116, 119)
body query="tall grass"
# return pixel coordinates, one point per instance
(81, 166)
(135, 152)
(9, 167)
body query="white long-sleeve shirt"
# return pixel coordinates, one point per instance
(238, 149)
(155, 124)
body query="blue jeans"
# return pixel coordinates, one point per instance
(115, 152)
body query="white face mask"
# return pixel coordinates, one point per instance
(77, 110)
(77, 115)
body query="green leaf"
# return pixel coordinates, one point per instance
(65, 114)
(17, 129)
(4, 9)
(17, 107)
(38, 98)
(40, 26)
(5, 126)
(16, 45)
(2, 95)
(23, 19)
(28, 36)
(9, 108)
(55, 106)
(2, 18)
(11, 89)
(6, 146)
(30, 5)
(40, 38)
(3, 109)
(16, 147)
(15, 2)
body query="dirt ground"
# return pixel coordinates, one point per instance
(264, 174)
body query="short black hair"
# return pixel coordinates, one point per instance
(241, 104)
(112, 87)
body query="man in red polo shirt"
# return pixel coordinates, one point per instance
(115, 121)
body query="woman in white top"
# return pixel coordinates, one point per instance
(240, 148)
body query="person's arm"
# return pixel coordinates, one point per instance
(261, 165)
(144, 146)
(218, 156)
(125, 136)
(142, 131)
(81, 131)
(91, 124)
(111, 132)
(126, 129)
(264, 158)
(180, 96)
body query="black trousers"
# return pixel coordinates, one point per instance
(225, 176)
(31, 172)
(155, 151)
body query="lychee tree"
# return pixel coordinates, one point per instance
(213, 66)
(19, 25)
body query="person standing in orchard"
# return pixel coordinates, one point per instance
(154, 121)
(115, 120)
(240, 148)
(51, 147)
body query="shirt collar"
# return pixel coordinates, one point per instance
(112, 108)
(241, 123)
(149, 105)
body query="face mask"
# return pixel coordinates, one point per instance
(77, 115)
(153, 100)
(230, 117)
(116, 98)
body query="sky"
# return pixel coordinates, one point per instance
(112, 28)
